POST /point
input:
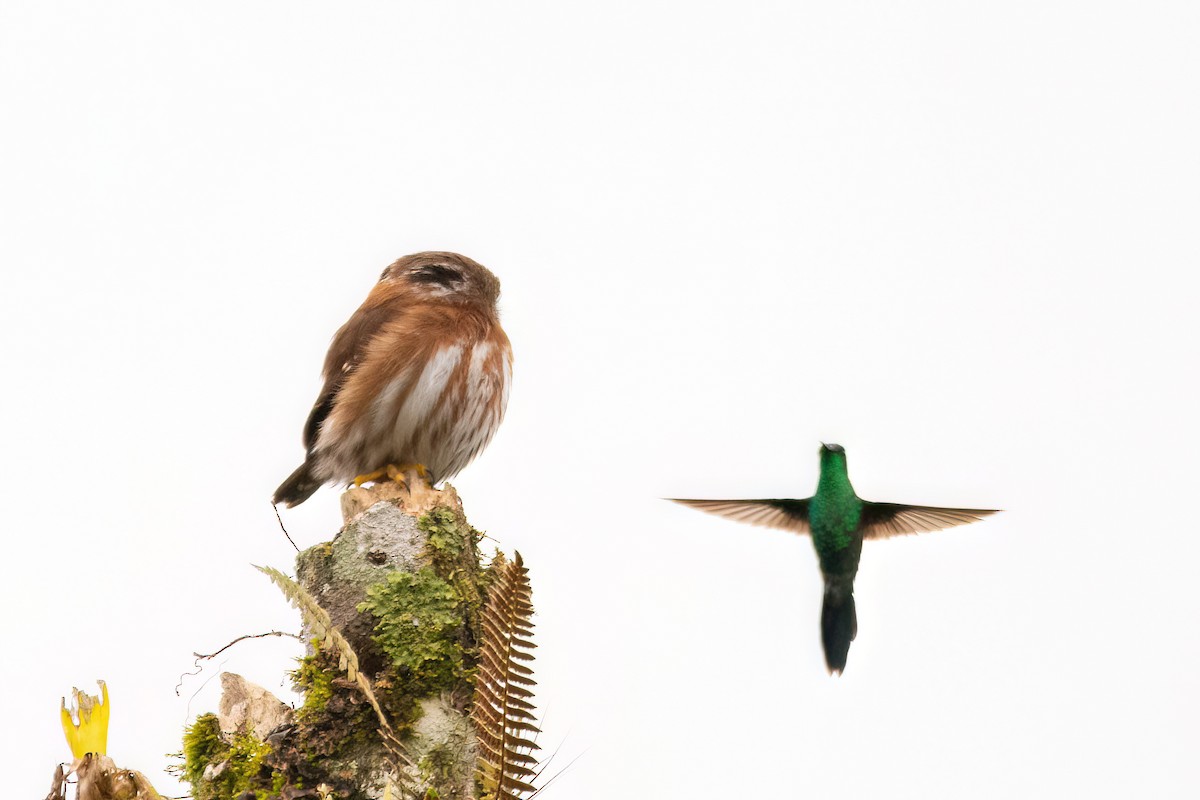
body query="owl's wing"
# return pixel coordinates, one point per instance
(346, 352)
(788, 515)
(884, 520)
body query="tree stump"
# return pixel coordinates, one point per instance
(403, 584)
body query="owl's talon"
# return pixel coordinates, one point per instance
(394, 472)
(359, 480)
(400, 473)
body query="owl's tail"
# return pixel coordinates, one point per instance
(839, 622)
(299, 486)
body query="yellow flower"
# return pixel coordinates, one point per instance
(90, 733)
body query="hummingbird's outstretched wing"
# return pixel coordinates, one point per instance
(883, 520)
(789, 515)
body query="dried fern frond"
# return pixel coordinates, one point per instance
(502, 712)
(322, 627)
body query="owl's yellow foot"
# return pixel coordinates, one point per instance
(398, 473)
(368, 477)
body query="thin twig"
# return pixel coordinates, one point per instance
(295, 636)
(205, 657)
(275, 508)
(187, 714)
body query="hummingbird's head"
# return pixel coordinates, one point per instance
(832, 456)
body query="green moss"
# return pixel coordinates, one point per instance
(453, 552)
(237, 761)
(315, 682)
(418, 626)
(488, 574)
(336, 727)
(246, 758)
(447, 542)
(334, 719)
(202, 745)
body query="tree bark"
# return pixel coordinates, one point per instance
(383, 533)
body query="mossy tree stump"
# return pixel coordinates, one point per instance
(402, 582)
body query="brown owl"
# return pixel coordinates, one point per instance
(418, 376)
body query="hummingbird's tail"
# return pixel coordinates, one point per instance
(839, 622)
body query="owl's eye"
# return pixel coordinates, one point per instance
(437, 274)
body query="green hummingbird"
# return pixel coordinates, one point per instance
(839, 520)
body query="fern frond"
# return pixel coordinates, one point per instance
(502, 713)
(322, 627)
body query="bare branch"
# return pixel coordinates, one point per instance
(205, 657)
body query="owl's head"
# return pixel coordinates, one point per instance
(449, 277)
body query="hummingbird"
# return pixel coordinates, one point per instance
(839, 520)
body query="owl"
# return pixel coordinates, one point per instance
(418, 376)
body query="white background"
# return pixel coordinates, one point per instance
(958, 239)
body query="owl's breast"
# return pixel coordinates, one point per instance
(439, 410)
